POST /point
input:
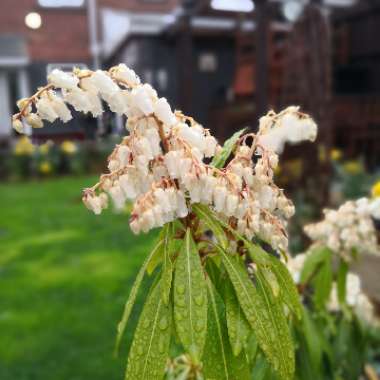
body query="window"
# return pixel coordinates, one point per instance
(61, 3)
(207, 62)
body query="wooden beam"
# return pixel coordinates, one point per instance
(261, 17)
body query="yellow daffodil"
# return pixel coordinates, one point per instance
(336, 154)
(375, 190)
(45, 167)
(353, 167)
(68, 147)
(24, 147)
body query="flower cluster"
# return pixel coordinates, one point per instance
(287, 126)
(355, 298)
(163, 164)
(346, 230)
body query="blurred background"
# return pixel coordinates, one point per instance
(64, 274)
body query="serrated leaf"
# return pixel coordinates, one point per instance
(218, 360)
(190, 298)
(150, 347)
(212, 222)
(312, 263)
(284, 364)
(257, 254)
(271, 279)
(132, 297)
(167, 266)
(220, 159)
(267, 319)
(288, 289)
(238, 327)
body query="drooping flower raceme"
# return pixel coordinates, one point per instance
(177, 176)
(161, 165)
(346, 230)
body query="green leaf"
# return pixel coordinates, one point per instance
(341, 281)
(211, 221)
(288, 290)
(150, 347)
(218, 361)
(265, 316)
(257, 254)
(261, 369)
(220, 159)
(322, 283)
(190, 298)
(312, 263)
(238, 327)
(312, 338)
(167, 266)
(132, 296)
(156, 256)
(279, 331)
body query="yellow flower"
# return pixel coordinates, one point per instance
(44, 148)
(353, 167)
(68, 147)
(335, 154)
(375, 191)
(45, 167)
(23, 147)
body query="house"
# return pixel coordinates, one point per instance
(38, 35)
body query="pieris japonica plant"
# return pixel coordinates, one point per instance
(334, 336)
(215, 286)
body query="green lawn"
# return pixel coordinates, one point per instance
(64, 277)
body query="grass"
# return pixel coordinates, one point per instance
(64, 278)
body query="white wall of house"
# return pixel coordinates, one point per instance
(5, 108)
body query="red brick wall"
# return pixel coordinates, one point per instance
(63, 35)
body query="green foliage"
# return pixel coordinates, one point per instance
(150, 348)
(317, 271)
(342, 281)
(330, 344)
(217, 359)
(133, 295)
(314, 260)
(323, 281)
(167, 266)
(238, 327)
(190, 298)
(209, 219)
(220, 159)
(65, 277)
(264, 314)
(288, 291)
